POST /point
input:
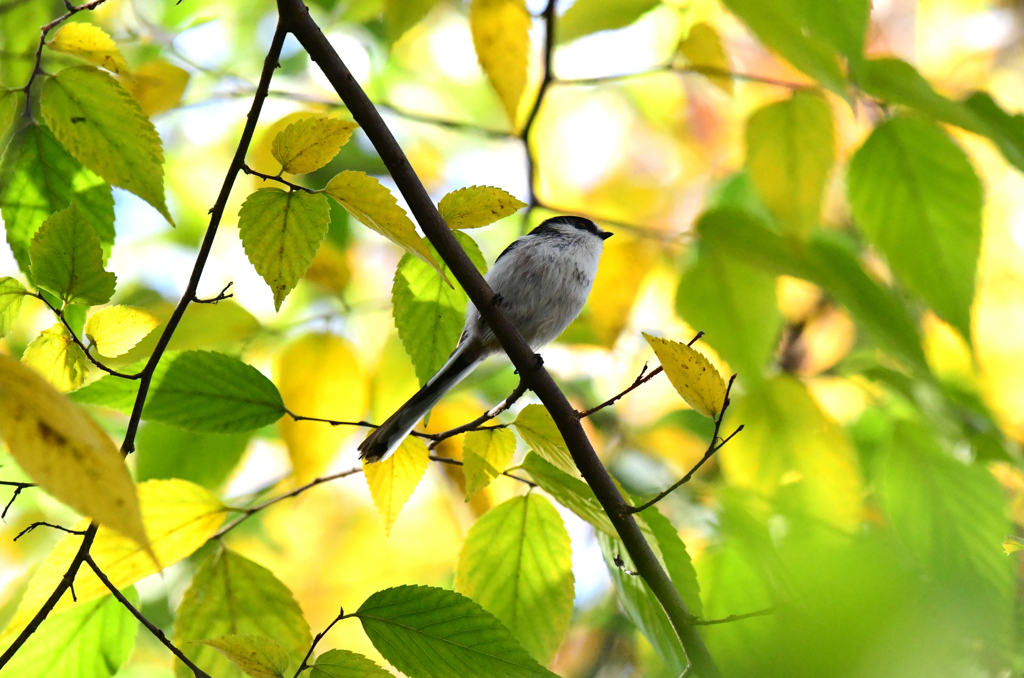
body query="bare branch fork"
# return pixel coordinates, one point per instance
(295, 17)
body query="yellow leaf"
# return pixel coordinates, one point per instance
(1011, 544)
(329, 270)
(477, 206)
(57, 357)
(257, 656)
(116, 329)
(157, 85)
(703, 48)
(91, 43)
(179, 517)
(392, 481)
(485, 454)
(319, 375)
(692, 375)
(624, 265)
(66, 452)
(538, 430)
(372, 205)
(261, 155)
(501, 36)
(308, 145)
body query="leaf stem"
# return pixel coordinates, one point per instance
(305, 660)
(276, 177)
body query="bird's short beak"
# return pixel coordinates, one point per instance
(606, 235)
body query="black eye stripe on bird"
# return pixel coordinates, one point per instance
(543, 279)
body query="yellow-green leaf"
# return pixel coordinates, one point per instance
(703, 49)
(67, 259)
(12, 293)
(281, 232)
(91, 43)
(11, 103)
(66, 452)
(692, 375)
(477, 206)
(538, 430)
(485, 454)
(501, 36)
(179, 517)
(392, 481)
(157, 85)
(373, 206)
(319, 375)
(257, 656)
(55, 356)
(1012, 544)
(307, 145)
(106, 130)
(116, 329)
(625, 263)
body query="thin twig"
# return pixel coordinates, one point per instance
(456, 462)
(712, 448)
(477, 423)
(706, 71)
(734, 617)
(18, 487)
(224, 294)
(199, 673)
(336, 422)
(547, 77)
(44, 524)
(78, 342)
(305, 660)
(272, 177)
(641, 379)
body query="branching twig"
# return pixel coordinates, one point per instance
(224, 294)
(18, 487)
(199, 673)
(78, 342)
(44, 524)
(336, 422)
(477, 423)
(305, 660)
(734, 617)
(272, 177)
(712, 448)
(456, 462)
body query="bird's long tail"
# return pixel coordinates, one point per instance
(382, 443)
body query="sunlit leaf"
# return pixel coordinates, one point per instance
(485, 454)
(841, 23)
(207, 391)
(703, 48)
(345, 664)
(91, 641)
(916, 196)
(37, 178)
(163, 452)
(434, 633)
(12, 101)
(591, 16)
(217, 327)
(65, 451)
(401, 15)
(516, 563)
(540, 433)
(373, 206)
(281, 232)
(692, 375)
(57, 358)
(307, 145)
(477, 206)
(104, 127)
(12, 293)
(157, 85)
(393, 480)
(501, 36)
(67, 259)
(429, 313)
(232, 594)
(790, 150)
(89, 42)
(1013, 544)
(116, 329)
(570, 492)
(319, 375)
(257, 656)
(118, 393)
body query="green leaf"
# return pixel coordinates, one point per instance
(485, 454)
(18, 34)
(281, 232)
(477, 206)
(734, 304)
(215, 393)
(104, 127)
(572, 493)
(401, 15)
(119, 394)
(952, 519)
(516, 563)
(231, 594)
(916, 196)
(539, 432)
(37, 178)
(590, 16)
(672, 552)
(12, 102)
(429, 632)
(67, 259)
(12, 293)
(790, 149)
(257, 656)
(1007, 131)
(429, 314)
(203, 458)
(345, 664)
(88, 641)
(840, 23)
(781, 26)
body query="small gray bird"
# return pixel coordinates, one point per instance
(542, 279)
